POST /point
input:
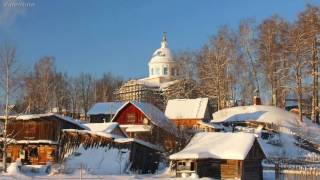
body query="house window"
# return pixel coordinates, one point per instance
(145, 121)
(192, 166)
(165, 71)
(131, 118)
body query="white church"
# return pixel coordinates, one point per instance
(163, 72)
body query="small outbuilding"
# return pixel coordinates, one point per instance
(220, 156)
(111, 151)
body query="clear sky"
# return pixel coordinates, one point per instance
(98, 36)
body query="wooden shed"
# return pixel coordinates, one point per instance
(35, 138)
(144, 157)
(220, 156)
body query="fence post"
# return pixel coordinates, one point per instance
(277, 171)
(81, 171)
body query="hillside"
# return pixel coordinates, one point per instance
(292, 132)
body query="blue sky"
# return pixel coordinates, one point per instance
(120, 35)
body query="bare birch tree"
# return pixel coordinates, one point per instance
(309, 21)
(9, 82)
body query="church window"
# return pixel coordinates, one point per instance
(151, 71)
(165, 71)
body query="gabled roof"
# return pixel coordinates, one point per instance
(217, 146)
(105, 108)
(28, 117)
(154, 114)
(104, 127)
(186, 108)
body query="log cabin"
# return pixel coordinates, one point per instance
(103, 112)
(187, 113)
(220, 156)
(146, 122)
(35, 138)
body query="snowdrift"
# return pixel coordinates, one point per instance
(98, 161)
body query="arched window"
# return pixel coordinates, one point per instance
(151, 71)
(165, 71)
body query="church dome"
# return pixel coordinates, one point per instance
(163, 54)
(161, 63)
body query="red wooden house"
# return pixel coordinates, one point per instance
(146, 122)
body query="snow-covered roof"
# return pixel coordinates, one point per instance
(217, 146)
(186, 108)
(136, 128)
(116, 138)
(155, 115)
(35, 142)
(105, 108)
(38, 116)
(211, 125)
(99, 133)
(144, 143)
(102, 127)
(258, 113)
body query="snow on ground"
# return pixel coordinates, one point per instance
(289, 127)
(98, 160)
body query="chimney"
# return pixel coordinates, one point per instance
(256, 100)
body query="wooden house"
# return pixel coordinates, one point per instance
(221, 156)
(187, 113)
(103, 112)
(146, 122)
(35, 138)
(143, 157)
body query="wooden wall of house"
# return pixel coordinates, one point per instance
(156, 136)
(185, 123)
(144, 160)
(45, 128)
(252, 167)
(130, 115)
(100, 118)
(41, 155)
(219, 169)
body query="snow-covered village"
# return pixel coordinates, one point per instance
(171, 89)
